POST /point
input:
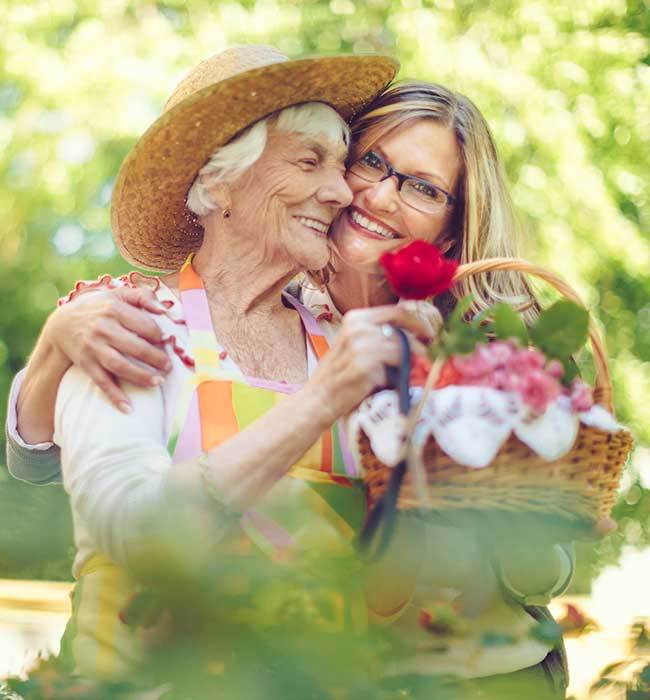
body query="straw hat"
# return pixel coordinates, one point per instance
(221, 96)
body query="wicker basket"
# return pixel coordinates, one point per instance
(581, 485)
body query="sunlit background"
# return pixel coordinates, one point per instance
(566, 89)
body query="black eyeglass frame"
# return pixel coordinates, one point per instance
(401, 178)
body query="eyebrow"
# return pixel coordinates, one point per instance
(321, 152)
(420, 174)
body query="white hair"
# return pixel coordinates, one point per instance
(228, 163)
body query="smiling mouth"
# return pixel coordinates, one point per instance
(317, 226)
(375, 229)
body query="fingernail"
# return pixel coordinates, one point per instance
(157, 380)
(124, 406)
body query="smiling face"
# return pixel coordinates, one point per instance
(378, 218)
(287, 200)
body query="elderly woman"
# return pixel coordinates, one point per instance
(453, 193)
(242, 424)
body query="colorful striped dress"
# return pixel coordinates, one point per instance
(320, 501)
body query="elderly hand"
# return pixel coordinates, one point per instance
(356, 363)
(425, 312)
(108, 334)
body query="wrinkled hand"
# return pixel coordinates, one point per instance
(356, 363)
(425, 312)
(108, 333)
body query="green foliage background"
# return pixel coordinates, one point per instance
(565, 87)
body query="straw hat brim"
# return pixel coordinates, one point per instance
(151, 225)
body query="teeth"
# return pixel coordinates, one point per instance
(363, 221)
(312, 223)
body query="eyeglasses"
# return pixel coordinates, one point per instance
(414, 191)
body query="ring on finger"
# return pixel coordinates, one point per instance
(387, 330)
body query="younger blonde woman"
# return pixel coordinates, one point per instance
(455, 195)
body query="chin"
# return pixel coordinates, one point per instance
(359, 252)
(314, 257)
(318, 263)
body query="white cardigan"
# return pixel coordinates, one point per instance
(116, 467)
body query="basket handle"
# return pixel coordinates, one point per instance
(603, 383)
(385, 510)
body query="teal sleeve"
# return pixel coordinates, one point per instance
(33, 466)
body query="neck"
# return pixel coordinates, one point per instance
(352, 289)
(237, 273)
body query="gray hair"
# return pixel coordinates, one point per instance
(230, 162)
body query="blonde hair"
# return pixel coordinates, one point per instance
(483, 223)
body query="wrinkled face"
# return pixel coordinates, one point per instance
(289, 197)
(378, 218)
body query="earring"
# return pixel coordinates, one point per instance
(227, 213)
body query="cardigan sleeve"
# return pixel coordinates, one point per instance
(36, 464)
(136, 507)
(113, 464)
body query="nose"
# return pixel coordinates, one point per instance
(382, 196)
(335, 191)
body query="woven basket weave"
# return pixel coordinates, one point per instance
(580, 485)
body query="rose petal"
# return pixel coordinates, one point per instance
(418, 270)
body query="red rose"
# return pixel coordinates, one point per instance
(418, 270)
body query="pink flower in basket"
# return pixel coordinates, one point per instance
(539, 389)
(506, 381)
(475, 367)
(555, 369)
(525, 360)
(505, 366)
(500, 352)
(582, 398)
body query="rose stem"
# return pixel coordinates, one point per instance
(419, 476)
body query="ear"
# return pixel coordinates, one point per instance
(220, 194)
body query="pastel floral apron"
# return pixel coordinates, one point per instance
(216, 402)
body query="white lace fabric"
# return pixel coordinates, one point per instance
(470, 424)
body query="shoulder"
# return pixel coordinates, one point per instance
(85, 420)
(171, 323)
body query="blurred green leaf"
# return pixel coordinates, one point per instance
(509, 324)
(561, 330)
